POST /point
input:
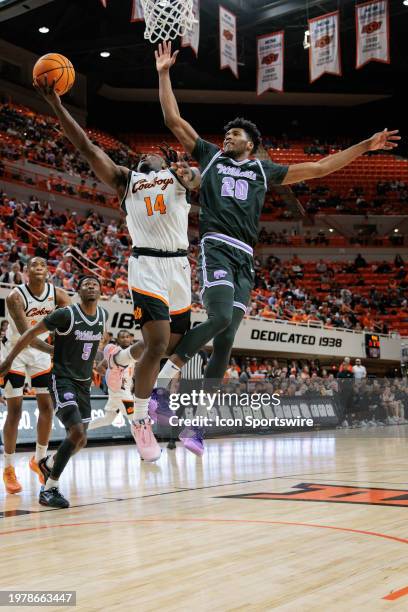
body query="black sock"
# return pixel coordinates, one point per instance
(61, 458)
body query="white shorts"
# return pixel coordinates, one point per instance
(160, 287)
(32, 364)
(117, 404)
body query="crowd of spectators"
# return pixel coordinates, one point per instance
(361, 401)
(73, 243)
(389, 197)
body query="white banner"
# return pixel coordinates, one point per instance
(228, 41)
(270, 55)
(137, 11)
(192, 37)
(373, 34)
(324, 50)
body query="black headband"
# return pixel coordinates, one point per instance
(85, 277)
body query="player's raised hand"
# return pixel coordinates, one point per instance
(183, 171)
(164, 58)
(384, 140)
(46, 90)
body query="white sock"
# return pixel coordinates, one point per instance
(167, 373)
(9, 459)
(40, 452)
(123, 357)
(51, 483)
(140, 407)
(50, 462)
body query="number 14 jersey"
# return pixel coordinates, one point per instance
(156, 210)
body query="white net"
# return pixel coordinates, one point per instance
(167, 19)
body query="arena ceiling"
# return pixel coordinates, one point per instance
(81, 29)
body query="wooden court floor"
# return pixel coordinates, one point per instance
(231, 531)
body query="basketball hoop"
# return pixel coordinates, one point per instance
(167, 19)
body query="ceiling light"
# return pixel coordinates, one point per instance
(405, 3)
(396, 230)
(105, 54)
(44, 30)
(331, 230)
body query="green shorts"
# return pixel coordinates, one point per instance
(72, 400)
(220, 263)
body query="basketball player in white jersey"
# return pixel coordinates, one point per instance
(119, 401)
(27, 305)
(154, 200)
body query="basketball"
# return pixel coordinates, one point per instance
(55, 67)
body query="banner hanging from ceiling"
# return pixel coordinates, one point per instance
(270, 56)
(137, 11)
(192, 37)
(324, 50)
(372, 32)
(228, 41)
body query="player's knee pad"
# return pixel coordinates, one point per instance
(41, 390)
(10, 391)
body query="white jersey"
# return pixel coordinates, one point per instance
(156, 210)
(35, 309)
(125, 393)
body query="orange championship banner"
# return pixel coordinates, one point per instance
(228, 41)
(270, 56)
(324, 50)
(372, 32)
(338, 494)
(192, 37)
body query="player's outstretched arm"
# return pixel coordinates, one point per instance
(15, 306)
(302, 172)
(25, 340)
(105, 169)
(183, 131)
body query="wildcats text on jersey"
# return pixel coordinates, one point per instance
(233, 171)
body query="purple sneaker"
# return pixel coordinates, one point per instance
(192, 439)
(159, 409)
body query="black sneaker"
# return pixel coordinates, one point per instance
(44, 469)
(53, 498)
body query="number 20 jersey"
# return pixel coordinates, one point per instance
(156, 210)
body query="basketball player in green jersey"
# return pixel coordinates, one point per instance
(232, 194)
(78, 331)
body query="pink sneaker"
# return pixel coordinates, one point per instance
(146, 443)
(114, 373)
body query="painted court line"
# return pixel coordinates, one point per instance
(208, 520)
(396, 594)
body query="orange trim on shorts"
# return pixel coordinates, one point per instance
(43, 372)
(16, 372)
(153, 295)
(176, 312)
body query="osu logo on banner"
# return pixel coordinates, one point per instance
(337, 494)
(138, 313)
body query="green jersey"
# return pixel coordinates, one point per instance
(77, 339)
(232, 194)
